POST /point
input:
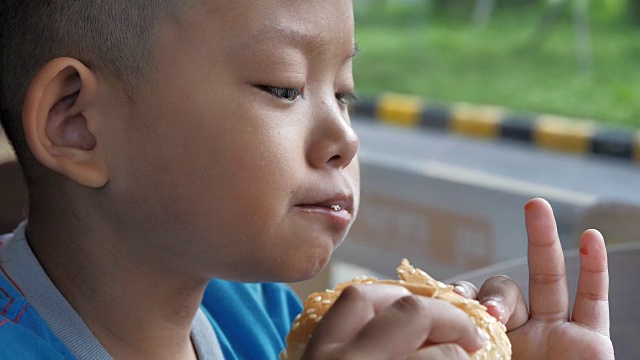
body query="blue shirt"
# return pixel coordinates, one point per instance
(250, 321)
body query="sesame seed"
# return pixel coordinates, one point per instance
(318, 318)
(298, 317)
(311, 311)
(360, 278)
(412, 271)
(331, 291)
(317, 298)
(295, 325)
(326, 302)
(313, 316)
(401, 271)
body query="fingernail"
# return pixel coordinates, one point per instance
(483, 335)
(460, 290)
(495, 308)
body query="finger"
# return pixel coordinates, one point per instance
(412, 321)
(442, 351)
(504, 301)
(591, 307)
(466, 289)
(353, 309)
(548, 291)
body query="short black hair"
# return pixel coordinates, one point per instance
(111, 36)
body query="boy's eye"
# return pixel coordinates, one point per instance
(287, 94)
(347, 98)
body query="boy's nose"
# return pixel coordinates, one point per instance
(334, 143)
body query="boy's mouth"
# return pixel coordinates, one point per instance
(335, 203)
(337, 208)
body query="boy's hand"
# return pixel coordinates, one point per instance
(548, 330)
(387, 322)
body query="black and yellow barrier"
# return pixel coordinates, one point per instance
(544, 131)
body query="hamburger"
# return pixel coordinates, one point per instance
(418, 282)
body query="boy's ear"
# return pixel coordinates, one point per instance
(58, 130)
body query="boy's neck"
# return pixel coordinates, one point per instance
(133, 312)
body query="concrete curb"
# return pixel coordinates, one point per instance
(545, 131)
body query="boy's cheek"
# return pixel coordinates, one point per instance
(354, 173)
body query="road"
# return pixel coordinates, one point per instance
(505, 163)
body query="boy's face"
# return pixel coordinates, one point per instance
(229, 164)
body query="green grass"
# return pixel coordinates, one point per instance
(446, 59)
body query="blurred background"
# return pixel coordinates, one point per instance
(577, 58)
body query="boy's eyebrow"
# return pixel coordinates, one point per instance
(302, 40)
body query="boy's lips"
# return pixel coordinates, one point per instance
(345, 202)
(339, 208)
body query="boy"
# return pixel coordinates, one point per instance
(166, 143)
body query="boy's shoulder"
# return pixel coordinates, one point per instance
(23, 333)
(250, 321)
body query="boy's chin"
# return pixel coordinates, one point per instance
(303, 268)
